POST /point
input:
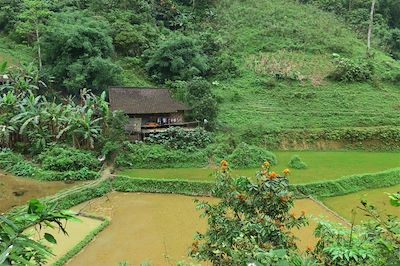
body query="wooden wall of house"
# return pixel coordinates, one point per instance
(134, 124)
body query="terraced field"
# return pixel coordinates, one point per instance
(344, 205)
(321, 166)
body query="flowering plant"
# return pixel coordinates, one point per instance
(250, 225)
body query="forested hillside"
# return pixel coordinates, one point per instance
(273, 69)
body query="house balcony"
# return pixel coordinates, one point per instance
(157, 128)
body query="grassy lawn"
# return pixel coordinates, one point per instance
(321, 166)
(344, 204)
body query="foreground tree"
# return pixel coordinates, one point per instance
(251, 223)
(17, 247)
(31, 22)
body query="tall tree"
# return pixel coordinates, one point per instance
(371, 24)
(78, 52)
(31, 22)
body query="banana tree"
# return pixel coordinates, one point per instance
(30, 120)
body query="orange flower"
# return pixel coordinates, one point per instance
(224, 165)
(286, 171)
(309, 249)
(293, 215)
(303, 213)
(266, 164)
(272, 175)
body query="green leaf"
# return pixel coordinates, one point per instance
(35, 206)
(5, 254)
(50, 238)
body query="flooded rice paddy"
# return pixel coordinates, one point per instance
(76, 233)
(378, 197)
(158, 228)
(15, 191)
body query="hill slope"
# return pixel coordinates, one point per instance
(278, 36)
(283, 51)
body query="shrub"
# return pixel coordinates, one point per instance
(58, 158)
(185, 187)
(81, 174)
(349, 70)
(219, 151)
(203, 103)
(176, 58)
(16, 164)
(246, 155)
(178, 138)
(159, 156)
(296, 163)
(251, 222)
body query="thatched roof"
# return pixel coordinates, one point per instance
(144, 100)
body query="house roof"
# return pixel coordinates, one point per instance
(143, 100)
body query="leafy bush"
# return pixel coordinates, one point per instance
(225, 66)
(158, 156)
(78, 50)
(219, 151)
(23, 168)
(246, 155)
(375, 242)
(81, 174)
(349, 70)
(176, 58)
(296, 163)
(204, 105)
(250, 224)
(178, 138)
(185, 187)
(16, 164)
(19, 166)
(58, 158)
(132, 40)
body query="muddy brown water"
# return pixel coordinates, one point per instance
(158, 228)
(77, 230)
(15, 191)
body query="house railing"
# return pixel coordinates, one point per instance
(181, 124)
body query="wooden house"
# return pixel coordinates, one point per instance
(150, 110)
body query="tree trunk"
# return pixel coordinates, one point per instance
(371, 24)
(39, 51)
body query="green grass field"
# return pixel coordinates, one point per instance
(277, 36)
(343, 205)
(321, 166)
